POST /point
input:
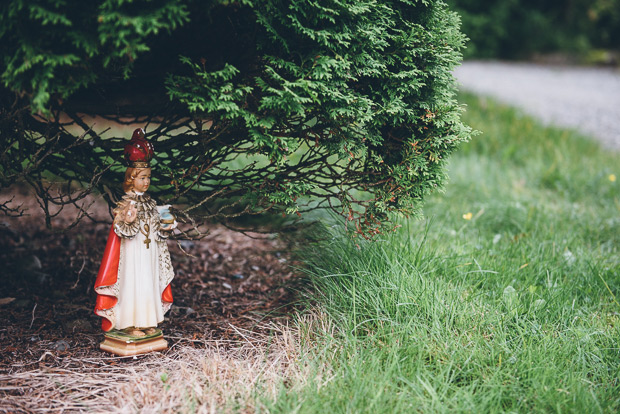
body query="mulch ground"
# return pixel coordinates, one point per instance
(226, 286)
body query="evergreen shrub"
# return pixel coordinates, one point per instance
(251, 105)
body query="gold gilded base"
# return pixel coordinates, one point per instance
(123, 344)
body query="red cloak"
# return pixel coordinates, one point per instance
(108, 275)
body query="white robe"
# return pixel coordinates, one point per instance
(143, 272)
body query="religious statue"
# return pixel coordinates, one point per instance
(133, 283)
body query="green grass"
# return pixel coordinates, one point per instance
(501, 301)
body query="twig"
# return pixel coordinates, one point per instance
(79, 273)
(32, 321)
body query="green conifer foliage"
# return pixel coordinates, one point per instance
(252, 105)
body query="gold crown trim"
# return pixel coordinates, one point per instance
(139, 164)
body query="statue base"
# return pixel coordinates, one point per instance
(123, 344)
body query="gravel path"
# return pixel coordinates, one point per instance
(587, 99)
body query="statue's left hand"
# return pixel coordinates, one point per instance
(169, 227)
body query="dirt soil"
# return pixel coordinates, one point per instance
(228, 287)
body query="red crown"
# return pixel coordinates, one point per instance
(139, 152)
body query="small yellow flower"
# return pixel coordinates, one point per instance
(612, 178)
(468, 216)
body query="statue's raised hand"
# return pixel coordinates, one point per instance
(130, 213)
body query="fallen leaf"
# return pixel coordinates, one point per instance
(6, 301)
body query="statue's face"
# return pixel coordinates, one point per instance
(142, 181)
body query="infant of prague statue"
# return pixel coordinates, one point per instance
(133, 284)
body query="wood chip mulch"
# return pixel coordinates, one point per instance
(226, 286)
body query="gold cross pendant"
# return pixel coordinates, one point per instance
(146, 232)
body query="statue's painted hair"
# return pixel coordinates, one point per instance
(130, 175)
